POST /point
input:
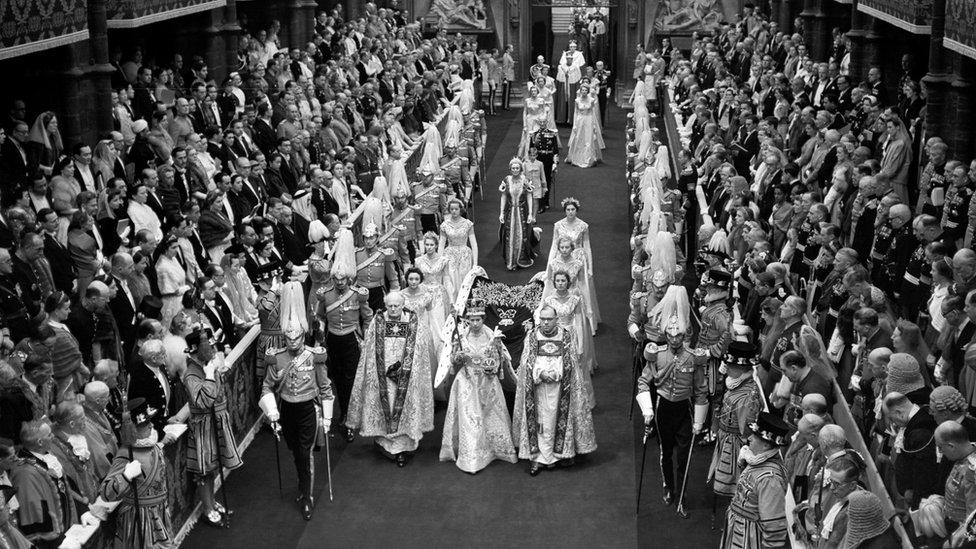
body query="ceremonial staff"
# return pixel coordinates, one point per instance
(276, 430)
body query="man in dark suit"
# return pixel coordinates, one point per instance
(150, 380)
(62, 267)
(216, 309)
(123, 305)
(292, 229)
(14, 168)
(322, 199)
(289, 174)
(144, 101)
(747, 144)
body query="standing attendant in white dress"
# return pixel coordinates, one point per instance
(568, 74)
(578, 231)
(586, 140)
(459, 245)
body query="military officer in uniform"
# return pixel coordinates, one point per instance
(602, 76)
(677, 372)
(367, 165)
(639, 324)
(15, 318)
(344, 310)
(916, 284)
(955, 215)
(894, 258)
(456, 171)
(405, 237)
(546, 143)
(715, 333)
(297, 394)
(374, 268)
(430, 196)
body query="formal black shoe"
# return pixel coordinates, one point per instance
(534, 469)
(222, 510)
(306, 506)
(401, 460)
(668, 497)
(349, 435)
(568, 462)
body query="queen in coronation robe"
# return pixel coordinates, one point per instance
(552, 421)
(568, 74)
(477, 427)
(392, 398)
(517, 215)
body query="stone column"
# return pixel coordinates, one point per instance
(213, 45)
(231, 30)
(786, 14)
(310, 7)
(960, 135)
(296, 25)
(815, 32)
(776, 8)
(937, 79)
(864, 40)
(76, 110)
(101, 70)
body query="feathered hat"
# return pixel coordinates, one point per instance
(718, 245)
(344, 262)
(294, 318)
(662, 254)
(673, 313)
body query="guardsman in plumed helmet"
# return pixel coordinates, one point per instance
(297, 394)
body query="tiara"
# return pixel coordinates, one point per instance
(514, 161)
(570, 200)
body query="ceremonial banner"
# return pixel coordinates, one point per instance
(29, 26)
(127, 14)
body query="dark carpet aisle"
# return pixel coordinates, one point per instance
(433, 504)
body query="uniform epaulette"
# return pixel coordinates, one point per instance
(698, 351)
(273, 350)
(360, 290)
(317, 349)
(388, 252)
(655, 348)
(971, 461)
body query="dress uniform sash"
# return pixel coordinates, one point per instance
(399, 372)
(376, 255)
(339, 302)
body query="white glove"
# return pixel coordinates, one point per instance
(647, 408)
(269, 407)
(632, 329)
(701, 412)
(89, 519)
(210, 370)
(132, 470)
(855, 383)
(327, 413)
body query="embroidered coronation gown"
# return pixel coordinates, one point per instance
(516, 231)
(585, 141)
(579, 234)
(460, 258)
(477, 426)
